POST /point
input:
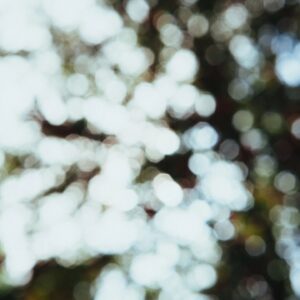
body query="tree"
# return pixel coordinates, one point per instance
(149, 149)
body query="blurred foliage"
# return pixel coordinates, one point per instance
(273, 106)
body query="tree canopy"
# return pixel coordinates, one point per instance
(149, 149)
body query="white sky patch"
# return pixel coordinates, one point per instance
(137, 10)
(47, 62)
(201, 277)
(226, 169)
(51, 103)
(150, 269)
(166, 85)
(224, 230)
(182, 66)
(295, 128)
(131, 60)
(114, 233)
(199, 163)
(115, 90)
(159, 141)
(295, 277)
(288, 68)
(254, 139)
(167, 190)
(15, 70)
(99, 24)
(55, 151)
(205, 105)
(236, 16)
(134, 62)
(171, 35)
(18, 264)
(230, 191)
(113, 284)
(244, 51)
(27, 26)
(149, 100)
(198, 25)
(201, 137)
(183, 225)
(78, 84)
(121, 198)
(181, 103)
(16, 133)
(67, 14)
